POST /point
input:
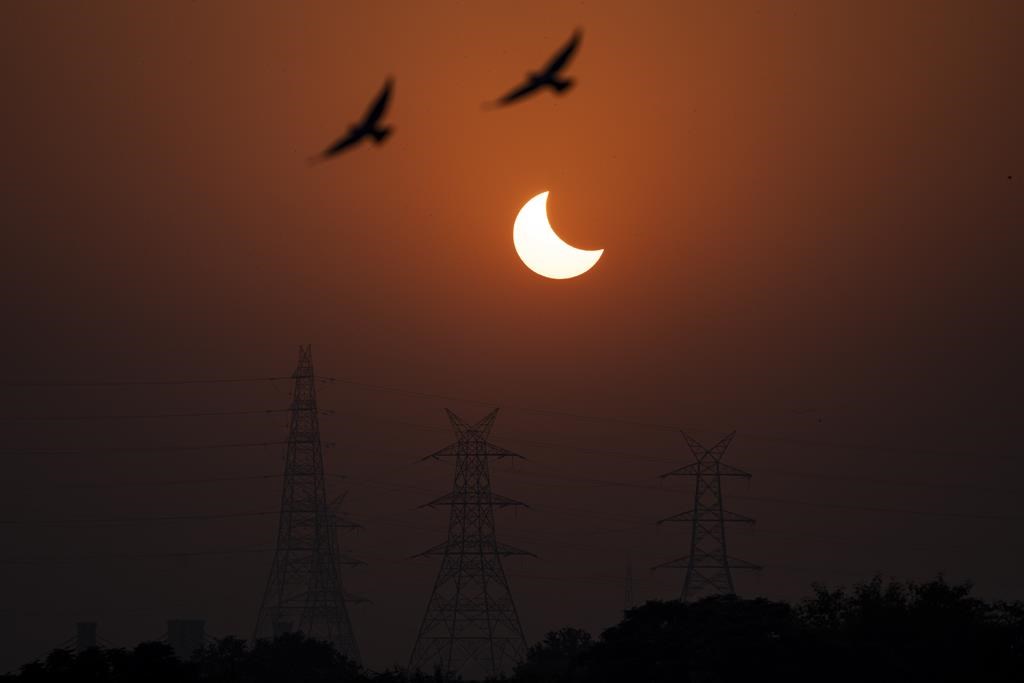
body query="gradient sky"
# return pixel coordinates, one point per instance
(812, 236)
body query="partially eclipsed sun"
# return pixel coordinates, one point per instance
(542, 250)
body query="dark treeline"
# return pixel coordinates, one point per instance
(877, 631)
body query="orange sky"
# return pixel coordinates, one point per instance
(809, 231)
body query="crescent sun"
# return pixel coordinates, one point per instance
(542, 250)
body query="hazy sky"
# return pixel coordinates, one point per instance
(811, 235)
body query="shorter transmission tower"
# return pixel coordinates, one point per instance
(708, 566)
(470, 617)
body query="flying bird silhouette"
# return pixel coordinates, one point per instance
(547, 77)
(369, 126)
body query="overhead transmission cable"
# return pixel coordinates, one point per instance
(103, 521)
(139, 449)
(63, 384)
(139, 416)
(647, 425)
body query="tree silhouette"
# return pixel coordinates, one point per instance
(555, 658)
(913, 632)
(146, 662)
(720, 638)
(293, 657)
(876, 631)
(225, 661)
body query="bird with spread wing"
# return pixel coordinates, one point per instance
(547, 77)
(368, 127)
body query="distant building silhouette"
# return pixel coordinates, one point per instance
(628, 600)
(186, 636)
(85, 635)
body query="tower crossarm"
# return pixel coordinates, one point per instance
(506, 549)
(438, 549)
(446, 548)
(460, 498)
(698, 469)
(346, 525)
(349, 561)
(353, 599)
(482, 448)
(678, 563)
(472, 439)
(723, 516)
(706, 561)
(736, 563)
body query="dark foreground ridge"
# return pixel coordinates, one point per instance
(877, 631)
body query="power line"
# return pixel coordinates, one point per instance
(594, 482)
(617, 580)
(79, 522)
(640, 484)
(525, 409)
(142, 449)
(171, 482)
(137, 416)
(51, 560)
(522, 408)
(76, 522)
(857, 541)
(888, 482)
(24, 384)
(782, 501)
(623, 455)
(180, 482)
(164, 482)
(888, 510)
(559, 542)
(510, 438)
(816, 443)
(599, 482)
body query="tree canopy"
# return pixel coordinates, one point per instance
(876, 631)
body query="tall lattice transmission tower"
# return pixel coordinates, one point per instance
(470, 618)
(304, 591)
(708, 566)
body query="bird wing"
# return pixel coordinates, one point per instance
(343, 142)
(376, 110)
(514, 95)
(562, 58)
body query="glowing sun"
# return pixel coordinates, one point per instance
(542, 250)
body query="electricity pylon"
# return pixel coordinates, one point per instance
(304, 591)
(470, 617)
(708, 566)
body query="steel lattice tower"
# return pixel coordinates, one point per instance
(708, 566)
(304, 591)
(470, 617)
